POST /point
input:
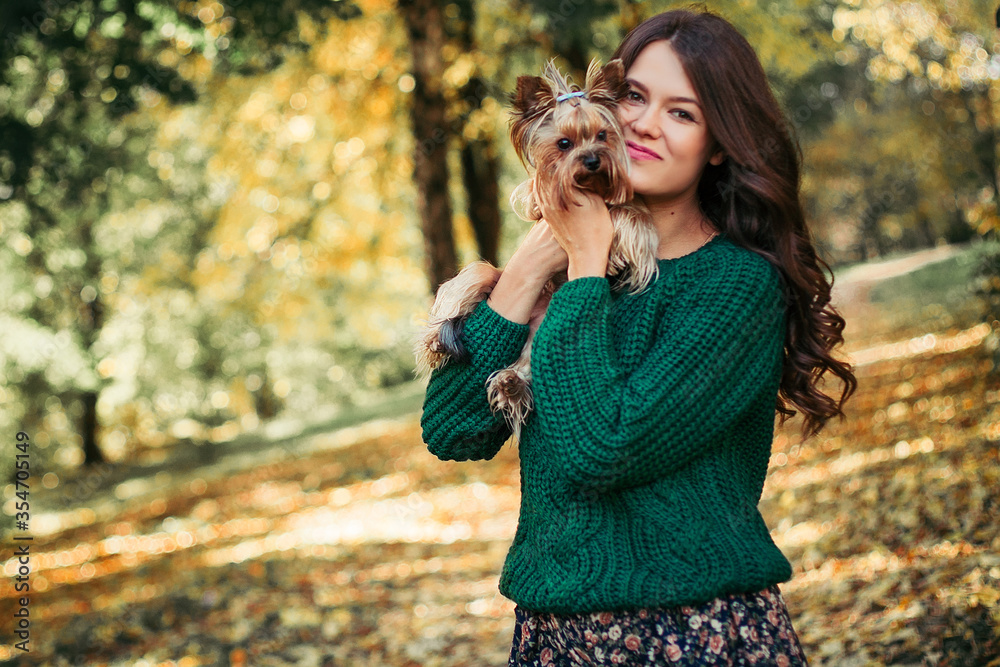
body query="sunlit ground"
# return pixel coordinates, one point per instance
(374, 552)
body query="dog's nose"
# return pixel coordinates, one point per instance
(592, 162)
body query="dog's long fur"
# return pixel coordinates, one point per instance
(575, 143)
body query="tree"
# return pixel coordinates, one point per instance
(77, 71)
(939, 53)
(425, 28)
(479, 158)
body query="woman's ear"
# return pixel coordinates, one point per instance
(717, 158)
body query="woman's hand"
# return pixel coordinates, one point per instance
(540, 255)
(535, 261)
(585, 231)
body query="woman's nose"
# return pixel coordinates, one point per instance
(645, 123)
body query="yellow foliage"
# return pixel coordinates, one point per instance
(898, 29)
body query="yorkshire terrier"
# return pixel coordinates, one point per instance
(567, 138)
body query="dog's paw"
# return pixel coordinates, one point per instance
(509, 392)
(429, 355)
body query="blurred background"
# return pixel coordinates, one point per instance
(223, 223)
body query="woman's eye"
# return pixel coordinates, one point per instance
(687, 116)
(634, 96)
(602, 135)
(564, 144)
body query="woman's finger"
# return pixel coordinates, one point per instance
(540, 253)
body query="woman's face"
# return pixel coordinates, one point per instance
(668, 140)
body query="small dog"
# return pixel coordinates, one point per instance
(566, 138)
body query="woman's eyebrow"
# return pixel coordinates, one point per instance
(642, 88)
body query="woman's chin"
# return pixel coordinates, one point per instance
(645, 190)
(648, 187)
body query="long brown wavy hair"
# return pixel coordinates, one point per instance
(753, 195)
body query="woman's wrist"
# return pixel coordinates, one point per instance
(583, 267)
(515, 294)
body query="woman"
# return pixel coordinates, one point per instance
(639, 539)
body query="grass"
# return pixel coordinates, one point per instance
(935, 297)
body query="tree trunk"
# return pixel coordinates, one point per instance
(425, 30)
(871, 233)
(92, 321)
(88, 430)
(926, 231)
(265, 401)
(480, 168)
(984, 141)
(479, 175)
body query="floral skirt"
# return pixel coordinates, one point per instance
(734, 629)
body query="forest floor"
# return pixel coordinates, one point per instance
(358, 547)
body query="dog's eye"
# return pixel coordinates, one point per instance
(602, 135)
(564, 144)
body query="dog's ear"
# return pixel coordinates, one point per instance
(532, 98)
(606, 85)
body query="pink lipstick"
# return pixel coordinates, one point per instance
(637, 152)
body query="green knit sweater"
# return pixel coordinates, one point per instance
(644, 458)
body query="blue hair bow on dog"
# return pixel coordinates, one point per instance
(566, 96)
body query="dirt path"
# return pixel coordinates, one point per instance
(852, 283)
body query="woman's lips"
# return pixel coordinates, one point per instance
(637, 152)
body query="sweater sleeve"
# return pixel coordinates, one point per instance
(712, 357)
(457, 422)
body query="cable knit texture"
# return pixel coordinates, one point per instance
(644, 458)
